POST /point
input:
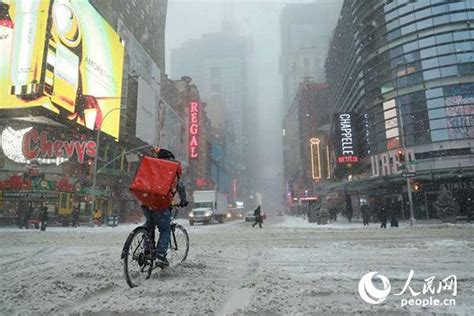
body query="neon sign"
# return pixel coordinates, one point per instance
(345, 137)
(315, 158)
(193, 129)
(26, 145)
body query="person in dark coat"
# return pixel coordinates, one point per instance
(365, 209)
(393, 214)
(383, 217)
(44, 217)
(349, 213)
(75, 217)
(258, 217)
(27, 216)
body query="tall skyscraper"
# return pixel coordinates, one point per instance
(305, 34)
(403, 71)
(217, 63)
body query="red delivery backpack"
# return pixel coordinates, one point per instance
(155, 181)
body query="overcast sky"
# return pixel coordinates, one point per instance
(259, 21)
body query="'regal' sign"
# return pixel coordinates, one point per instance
(193, 129)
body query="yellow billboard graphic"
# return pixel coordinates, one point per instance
(63, 56)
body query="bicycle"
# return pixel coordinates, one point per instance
(138, 263)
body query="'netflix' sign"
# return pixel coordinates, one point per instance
(193, 129)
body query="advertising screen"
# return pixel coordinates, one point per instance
(63, 56)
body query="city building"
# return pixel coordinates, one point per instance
(91, 100)
(305, 33)
(217, 62)
(306, 145)
(402, 79)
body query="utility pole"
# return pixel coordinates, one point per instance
(404, 147)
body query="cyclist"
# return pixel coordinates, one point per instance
(162, 217)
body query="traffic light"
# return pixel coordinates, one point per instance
(401, 155)
(416, 187)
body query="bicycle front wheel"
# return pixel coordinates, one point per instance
(137, 263)
(179, 246)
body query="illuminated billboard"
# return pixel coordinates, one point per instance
(345, 138)
(63, 56)
(193, 129)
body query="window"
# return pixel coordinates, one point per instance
(439, 124)
(444, 38)
(447, 60)
(445, 49)
(424, 24)
(449, 71)
(430, 63)
(431, 74)
(429, 41)
(433, 93)
(428, 52)
(439, 135)
(435, 103)
(436, 113)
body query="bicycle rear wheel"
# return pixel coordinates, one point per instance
(179, 246)
(137, 265)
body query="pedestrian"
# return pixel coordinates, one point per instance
(258, 217)
(75, 217)
(19, 217)
(393, 214)
(349, 212)
(97, 218)
(365, 209)
(383, 217)
(44, 217)
(333, 214)
(27, 216)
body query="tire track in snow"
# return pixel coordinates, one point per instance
(240, 297)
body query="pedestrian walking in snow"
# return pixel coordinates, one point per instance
(258, 217)
(383, 217)
(75, 217)
(365, 209)
(44, 217)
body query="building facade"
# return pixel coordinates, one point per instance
(306, 145)
(305, 34)
(92, 93)
(405, 71)
(217, 62)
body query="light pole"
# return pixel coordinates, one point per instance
(94, 172)
(404, 147)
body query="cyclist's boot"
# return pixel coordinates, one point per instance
(161, 261)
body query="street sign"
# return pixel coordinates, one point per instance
(408, 174)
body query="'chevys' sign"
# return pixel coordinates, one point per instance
(30, 144)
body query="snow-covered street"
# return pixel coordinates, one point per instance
(288, 267)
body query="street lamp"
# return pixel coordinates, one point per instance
(94, 172)
(402, 138)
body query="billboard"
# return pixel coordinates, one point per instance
(193, 129)
(345, 139)
(61, 55)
